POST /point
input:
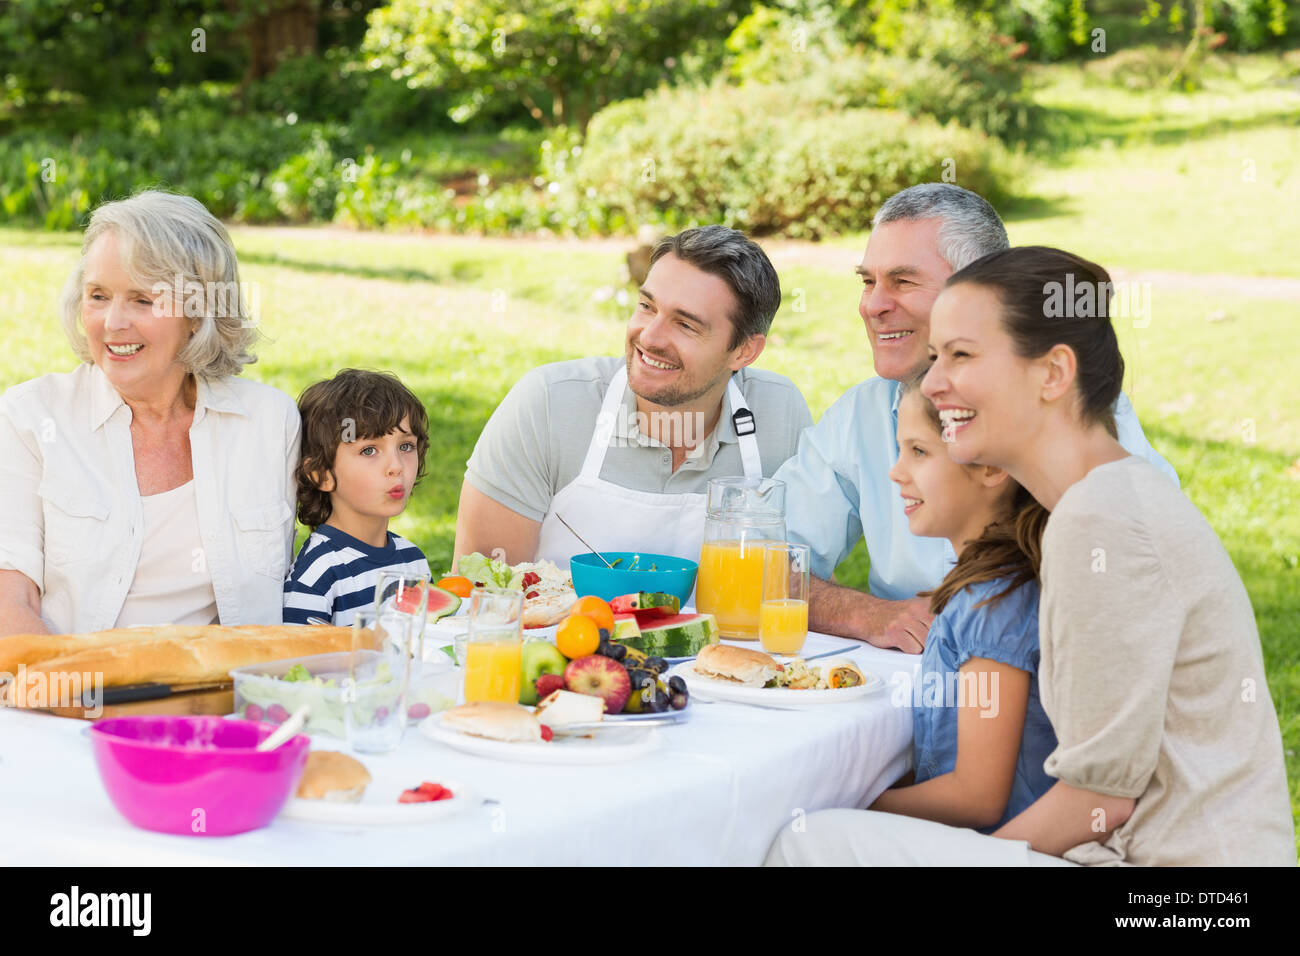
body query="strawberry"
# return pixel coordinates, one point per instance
(531, 578)
(547, 734)
(415, 796)
(433, 790)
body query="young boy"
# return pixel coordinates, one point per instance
(364, 436)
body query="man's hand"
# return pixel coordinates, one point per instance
(909, 627)
(847, 612)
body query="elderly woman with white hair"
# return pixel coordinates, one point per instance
(151, 484)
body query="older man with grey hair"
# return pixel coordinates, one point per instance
(839, 488)
(622, 447)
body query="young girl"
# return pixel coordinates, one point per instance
(979, 732)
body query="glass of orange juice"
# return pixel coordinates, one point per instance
(494, 645)
(783, 613)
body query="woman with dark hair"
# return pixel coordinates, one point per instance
(1168, 748)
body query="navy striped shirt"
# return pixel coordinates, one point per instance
(335, 573)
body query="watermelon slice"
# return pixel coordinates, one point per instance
(625, 625)
(676, 635)
(646, 602)
(441, 602)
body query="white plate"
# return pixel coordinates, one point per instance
(606, 746)
(380, 804)
(710, 689)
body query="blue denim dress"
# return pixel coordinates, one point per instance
(1007, 633)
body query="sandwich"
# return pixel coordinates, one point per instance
(563, 708)
(739, 664)
(334, 777)
(494, 720)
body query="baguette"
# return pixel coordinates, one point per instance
(31, 649)
(208, 657)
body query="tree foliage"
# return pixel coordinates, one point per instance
(563, 59)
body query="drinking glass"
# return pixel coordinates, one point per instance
(494, 645)
(783, 614)
(379, 668)
(399, 592)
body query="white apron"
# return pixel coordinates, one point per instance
(614, 518)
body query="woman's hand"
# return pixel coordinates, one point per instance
(20, 605)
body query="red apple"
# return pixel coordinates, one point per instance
(548, 684)
(599, 676)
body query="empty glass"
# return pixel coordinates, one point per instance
(379, 667)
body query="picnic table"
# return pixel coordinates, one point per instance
(717, 792)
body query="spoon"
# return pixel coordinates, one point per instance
(584, 543)
(287, 729)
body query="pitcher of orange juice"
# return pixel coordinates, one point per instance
(744, 515)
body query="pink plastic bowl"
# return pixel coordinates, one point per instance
(195, 775)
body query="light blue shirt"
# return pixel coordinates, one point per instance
(838, 490)
(1006, 632)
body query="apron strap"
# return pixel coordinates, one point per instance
(741, 417)
(605, 422)
(743, 420)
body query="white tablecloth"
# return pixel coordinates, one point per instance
(717, 792)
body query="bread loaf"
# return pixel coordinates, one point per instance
(181, 655)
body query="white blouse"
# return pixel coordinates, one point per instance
(74, 520)
(172, 583)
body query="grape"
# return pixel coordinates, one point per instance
(276, 714)
(417, 711)
(254, 712)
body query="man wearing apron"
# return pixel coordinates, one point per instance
(623, 448)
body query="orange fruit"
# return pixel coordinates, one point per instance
(577, 636)
(457, 585)
(596, 609)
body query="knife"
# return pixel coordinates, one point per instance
(838, 650)
(131, 693)
(609, 725)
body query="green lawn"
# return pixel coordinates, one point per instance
(1212, 376)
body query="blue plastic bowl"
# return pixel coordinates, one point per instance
(670, 575)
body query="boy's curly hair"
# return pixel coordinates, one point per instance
(353, 405)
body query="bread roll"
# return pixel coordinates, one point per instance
(176, 655)
(739, 664)
(333, 776)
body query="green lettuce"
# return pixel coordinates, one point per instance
(483, 570)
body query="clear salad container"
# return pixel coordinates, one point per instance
(274, 690)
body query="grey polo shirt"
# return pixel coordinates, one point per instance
(536, 441)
